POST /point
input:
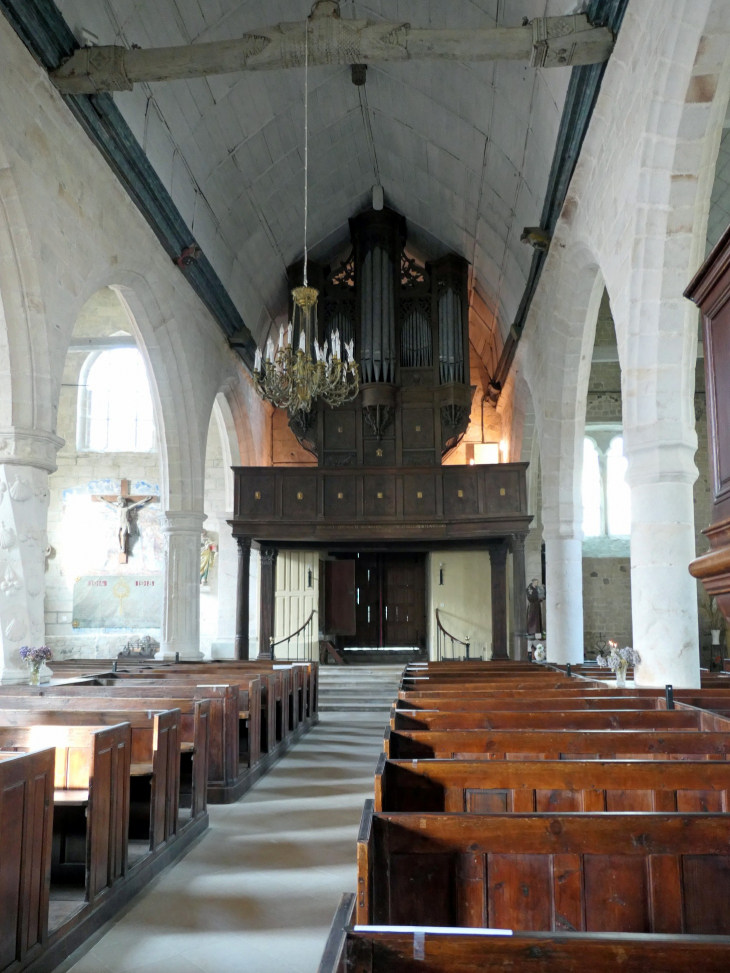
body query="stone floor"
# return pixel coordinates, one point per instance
(258, 892)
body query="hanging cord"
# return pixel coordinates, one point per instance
(306, 141)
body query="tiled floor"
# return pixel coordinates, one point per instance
(258, 893)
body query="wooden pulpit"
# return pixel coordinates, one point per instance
(710, 291)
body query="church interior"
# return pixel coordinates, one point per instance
(364, 486)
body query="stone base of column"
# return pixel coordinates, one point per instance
(167, 655)
(12, 677)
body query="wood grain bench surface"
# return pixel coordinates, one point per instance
(665, 873)
(575, 720)
(555, 744)
(551, 785)
(376, 949)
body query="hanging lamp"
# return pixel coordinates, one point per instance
(297, 371)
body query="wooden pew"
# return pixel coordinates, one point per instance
(549, 720)
(26, 823)
(362, 949)
(90, 808)
(160, 759)
(555, 744)
(455, 786)
(228, 775)
(661, 873)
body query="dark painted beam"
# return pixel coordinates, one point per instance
(585, 84)
(47, 36)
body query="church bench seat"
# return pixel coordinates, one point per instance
(228, 735)
(559, 703)
(363, 949)
(556, 744)
(455, 786)
(26, 834)
(640, 873)
(574, 720)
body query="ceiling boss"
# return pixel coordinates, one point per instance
(295, 373)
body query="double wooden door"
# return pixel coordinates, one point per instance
(389, 594)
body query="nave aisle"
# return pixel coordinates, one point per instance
(258, 892)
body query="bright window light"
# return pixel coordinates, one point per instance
(592, 491)
(486, 453)
(618, 494)
(121, 416)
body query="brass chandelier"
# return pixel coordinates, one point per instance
(286, 374)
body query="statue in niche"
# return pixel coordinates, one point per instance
(207, 555)
(535, 599)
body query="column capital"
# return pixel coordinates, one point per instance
(29, 447)
(657, 460)
(268, 555)
(183, 521)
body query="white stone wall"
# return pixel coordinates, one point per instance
(68, 229)
(635, 217)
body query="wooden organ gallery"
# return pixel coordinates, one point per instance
(379, 488)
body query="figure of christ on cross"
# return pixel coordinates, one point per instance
(124, 504)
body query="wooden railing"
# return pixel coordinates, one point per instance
(448, 645)
(304, 643)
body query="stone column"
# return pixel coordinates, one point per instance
(267, 608)
(26, 459)
(243, 598)
(564, 597)
(519, 599)
(663, 594)
(181, 610)
(223, 646)
(498, 557)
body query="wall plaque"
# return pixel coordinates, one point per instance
(117, 601)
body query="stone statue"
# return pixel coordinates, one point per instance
(535, 598)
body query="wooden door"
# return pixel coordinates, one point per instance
(404, 600)
(339, 598)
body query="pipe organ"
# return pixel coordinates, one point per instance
(410, 325)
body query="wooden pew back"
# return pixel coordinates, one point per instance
(26, 822)
(502, 786)
(606, 872)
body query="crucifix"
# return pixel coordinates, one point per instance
(124, 504)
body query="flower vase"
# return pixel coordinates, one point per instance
(621, 674)
(35, 673)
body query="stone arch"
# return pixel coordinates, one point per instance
(26, 400)
(556, 357)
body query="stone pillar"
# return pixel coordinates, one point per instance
(267, 609)
(498, 557)
(519, 599)
(181, 610)
(663, 594)
(564, 597)
(243, 597)
(26, 459)
(223, 647)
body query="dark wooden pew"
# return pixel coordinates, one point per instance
(230, 770)
(160, 760)
(26, 835)
(90, 805)
(555, 744)
(364, 949)
(549, 720)
(661, 873)
(455, 786)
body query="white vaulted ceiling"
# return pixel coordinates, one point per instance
(463, 150)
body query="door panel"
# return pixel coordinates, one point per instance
(339, 598)
(390, 601)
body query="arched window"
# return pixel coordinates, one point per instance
(592, 491)
(606, 495)
(118, 414)
(618, 495)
